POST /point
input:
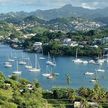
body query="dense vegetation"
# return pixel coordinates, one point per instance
(53, 42)
(16, 92)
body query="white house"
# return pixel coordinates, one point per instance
(105, 40)
(67, 40)
(95, 46)
(37, 46)
(91, 104)
(74, 44)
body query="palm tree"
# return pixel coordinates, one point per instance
(98, 93)
(72, 95)
(68, 79)
(84, 92)
(84, 103)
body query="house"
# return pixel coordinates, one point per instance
(91, 104)
(94, 46)
(106, 51)
(67, 41)
(37, 46)
(83, 42)
(73, 44)
(98, 41)
(105, 40)
(15, 40)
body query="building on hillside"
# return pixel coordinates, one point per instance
(91, 105)
(37, 46)
(105, 40)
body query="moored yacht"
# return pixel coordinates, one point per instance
(17, 72)
(92, 62)
(85, 62)
(50, 62)
(77, 60)
(8, 65)
(100, 70)
(89, 73)
(22, 61)
(37, 67)
(28, 65)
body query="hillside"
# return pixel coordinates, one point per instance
(65, 11)
(31, 23)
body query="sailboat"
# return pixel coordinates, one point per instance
(95, 79)
(8, 65)
(37, 67)
(101, 60)
(92, 62)
(49, 62)
(22, 62)
(100, 69)
(50, 74)
(28, 65)
(89, 73)
(76, 60)
(42, 58)
(17, 72)
(47, 72)
(10, 58)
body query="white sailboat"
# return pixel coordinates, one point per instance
(89, 73)
(8, 65)
(93, 81)
(85, 62)
(92, 62)
(17, 72)
(28, 65)
(50, 74)
(100, 70)
(42, 58)
(37, 67)
(22, 62)
(47, 72)
(76, 60)
(10, 58)
(100, 61)
(50, 62)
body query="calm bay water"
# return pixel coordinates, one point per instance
(64, 66)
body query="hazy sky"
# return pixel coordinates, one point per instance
(31, 5)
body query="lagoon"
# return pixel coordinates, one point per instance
(64, 66)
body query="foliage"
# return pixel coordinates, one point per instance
(20, 94)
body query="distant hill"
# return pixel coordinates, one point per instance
(66, 18)
(65, 11)
(62, 24)
(70, 11)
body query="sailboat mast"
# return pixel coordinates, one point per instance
(76, 53)
(17, 65)
(48, 56)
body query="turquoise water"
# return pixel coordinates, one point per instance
(64, 66)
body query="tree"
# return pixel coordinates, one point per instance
(98, 94)
(72, 95)
(68, 79)
(84, 103)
